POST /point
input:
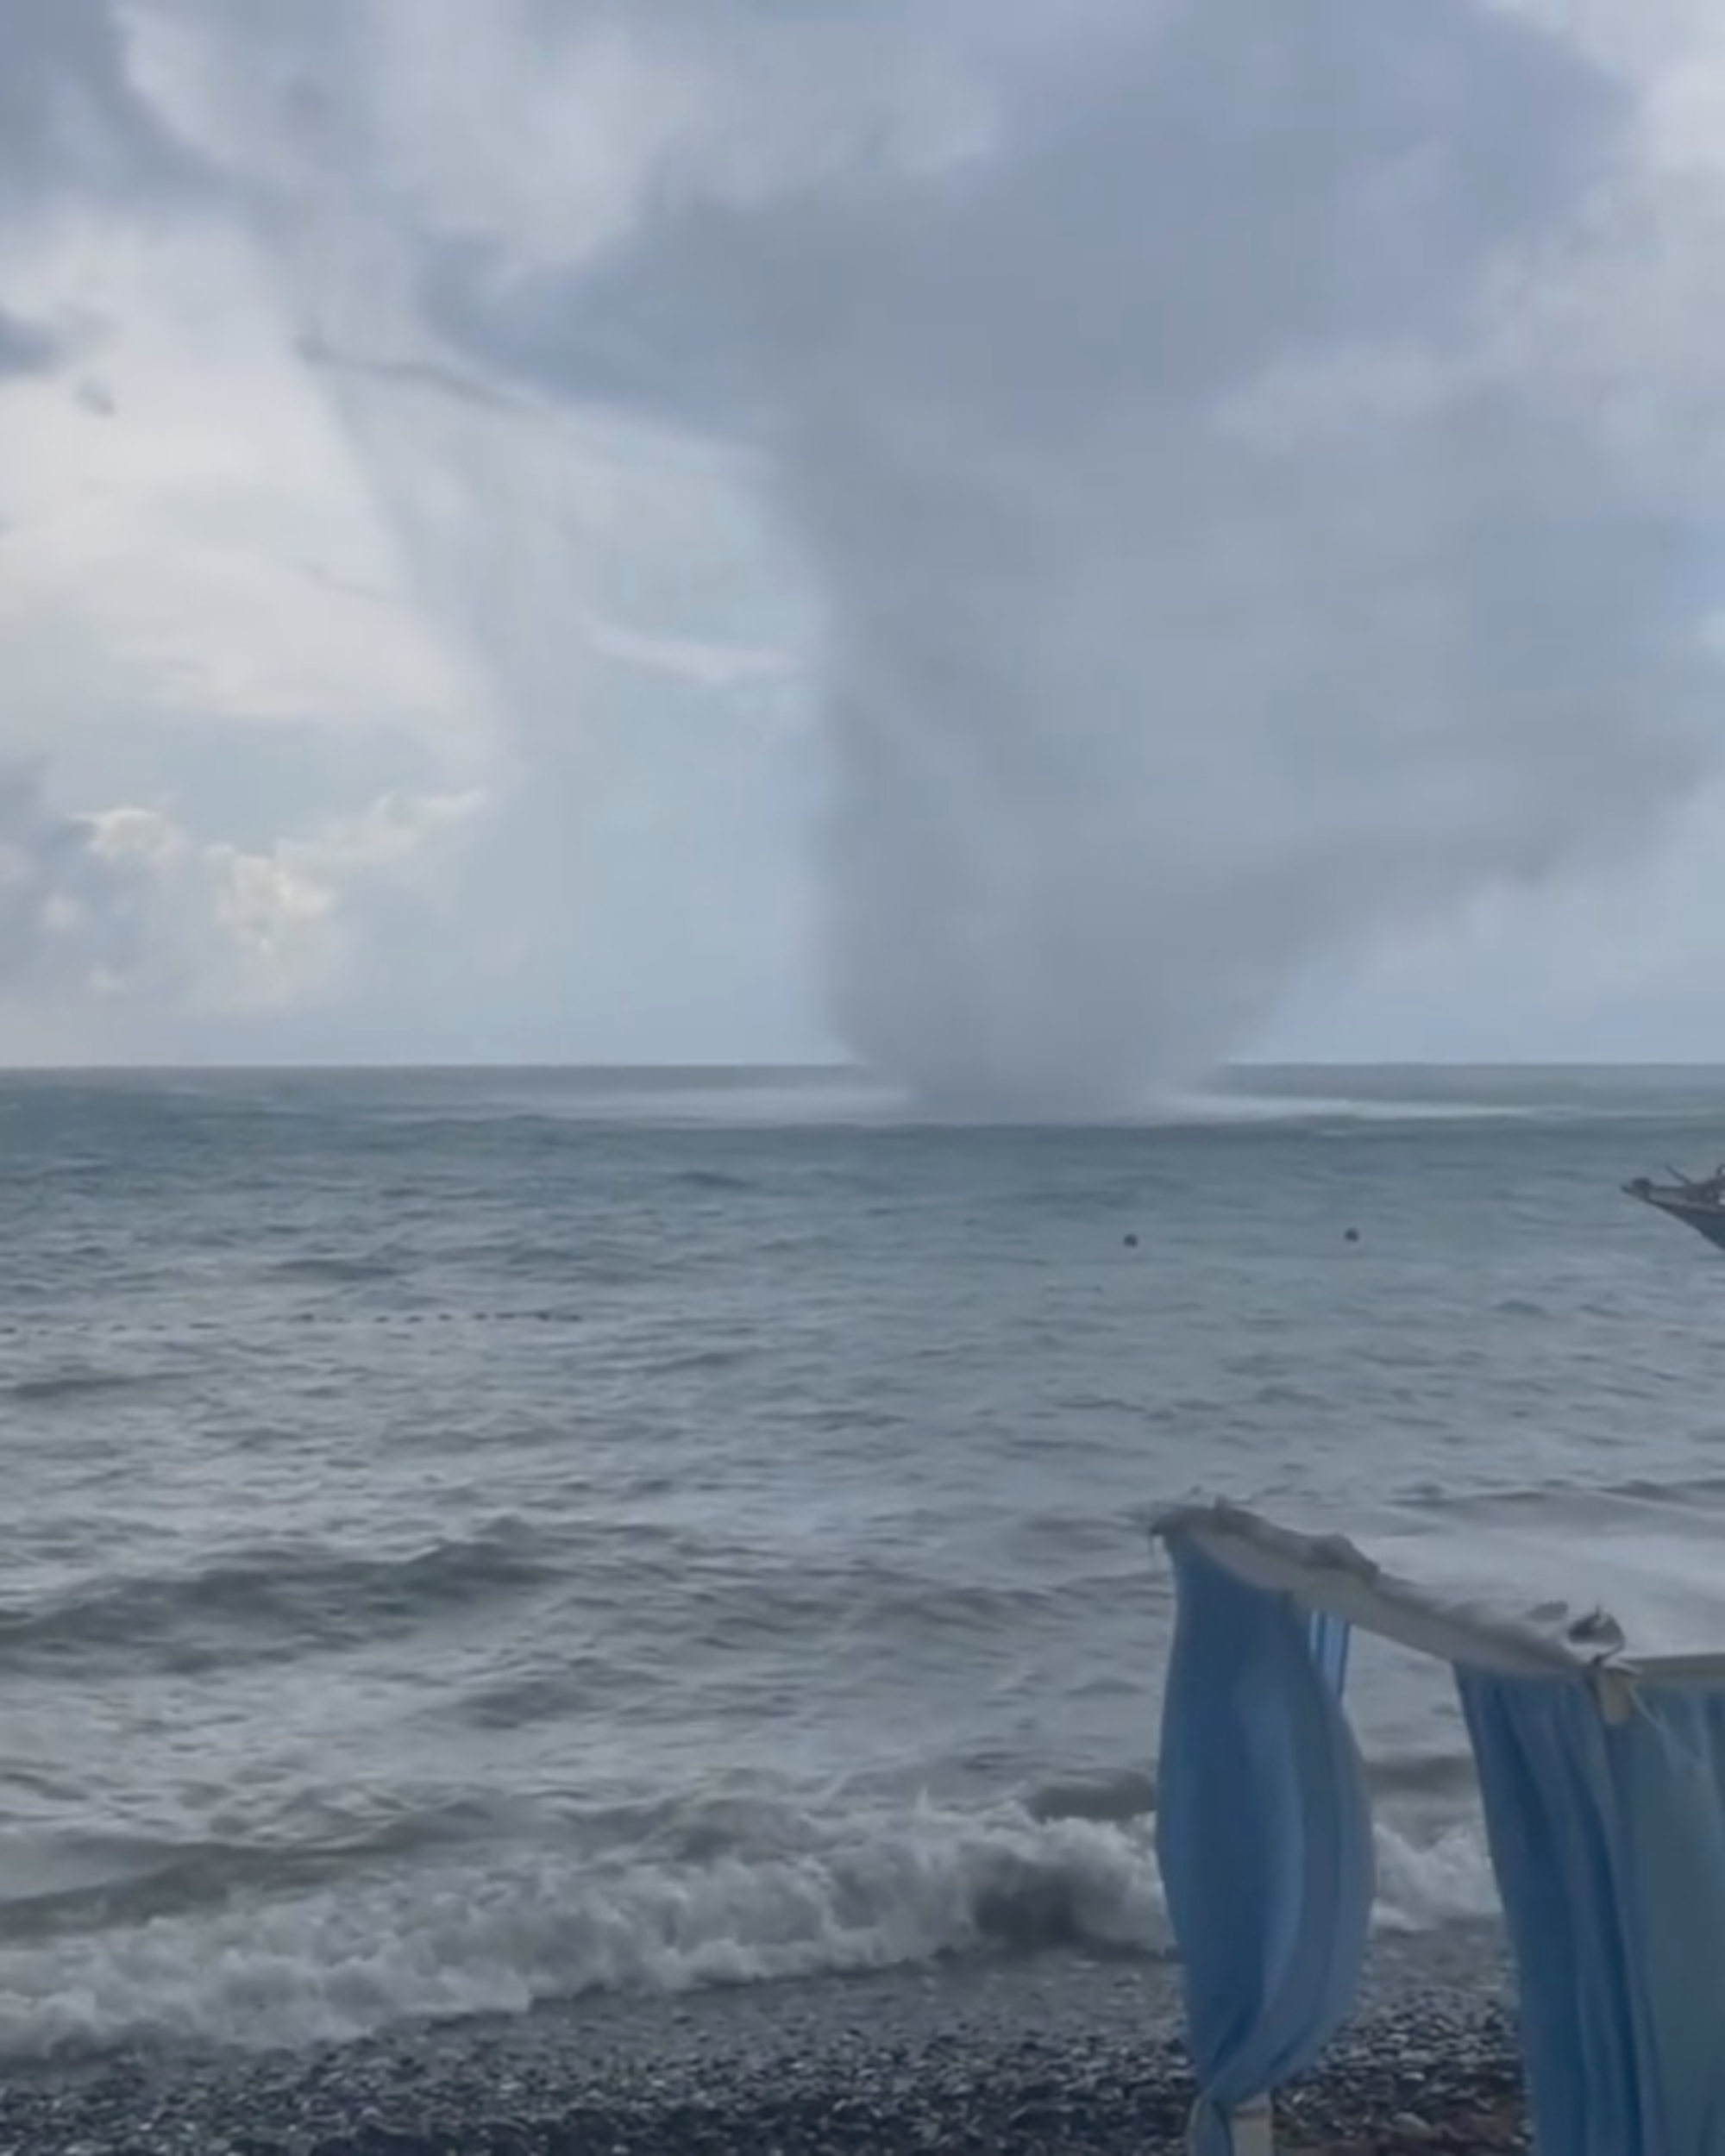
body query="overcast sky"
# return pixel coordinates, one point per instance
(1041, 542)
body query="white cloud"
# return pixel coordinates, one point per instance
(112, 922)
(237, 930)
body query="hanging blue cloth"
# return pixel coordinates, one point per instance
(1608, 1839)
(1263, 1834)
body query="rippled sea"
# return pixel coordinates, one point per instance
(469, 1539)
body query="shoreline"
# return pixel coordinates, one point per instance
(1051, 2052)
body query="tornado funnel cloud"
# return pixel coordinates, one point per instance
(1228, 488)
(1212, 573)
(1208, 582)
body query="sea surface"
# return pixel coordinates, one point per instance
(472, 1540)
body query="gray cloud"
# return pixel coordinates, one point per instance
(645, 334)
(72, 120)
(1171, 206)
(1208, 579)
(27, 346)
(315, 351)
(1219, 561)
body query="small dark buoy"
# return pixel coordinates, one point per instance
(1131, 1242)
(1352, 1236)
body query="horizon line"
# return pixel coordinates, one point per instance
(335, 1067)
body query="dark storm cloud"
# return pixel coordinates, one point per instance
(1203, 588)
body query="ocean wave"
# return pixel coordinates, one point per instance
(732, 1604)
(1423, 1774)
(263, 1601)
(57, 1387)
(714, 1179)
(1128, 1795)
(1598, 1498)
(83, 1883)
(694, 1592)
(779, 1893)
(694, 1361)
(338, 1271)
(1521, 1306)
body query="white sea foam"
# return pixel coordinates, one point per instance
(1340, 1107)
(1425, 1882)
(533, 1925)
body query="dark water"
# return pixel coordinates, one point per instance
(475, 1539)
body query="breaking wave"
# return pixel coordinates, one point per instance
(778, 1893)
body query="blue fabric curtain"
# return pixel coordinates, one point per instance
(1607, 1839)
(1263, 1833)
(1330, 1637)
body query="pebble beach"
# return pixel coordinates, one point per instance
(1055, 2054)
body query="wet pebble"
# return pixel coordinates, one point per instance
(545, 2088)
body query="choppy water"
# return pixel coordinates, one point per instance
(473, 1539)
